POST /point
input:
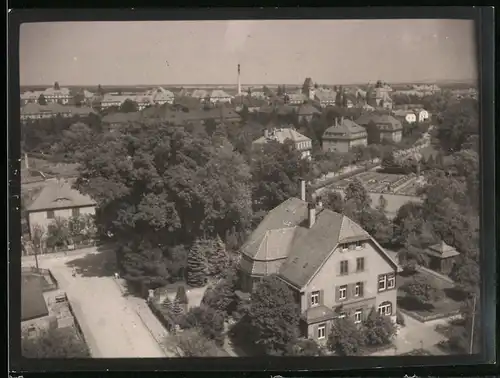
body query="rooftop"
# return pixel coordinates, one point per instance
(284, 235)
(33, 304)
(59, 194)
(345, 129)
(281, 135)
(442, 250)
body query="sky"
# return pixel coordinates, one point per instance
(269, 52)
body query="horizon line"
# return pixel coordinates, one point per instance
(252, 84)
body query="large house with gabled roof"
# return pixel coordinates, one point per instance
(334, 267)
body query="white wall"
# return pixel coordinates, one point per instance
(40, 217)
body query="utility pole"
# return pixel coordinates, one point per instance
(472, 325)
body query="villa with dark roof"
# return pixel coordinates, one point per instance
(343, 136)
(333, 266)
(58, 200)
(380, 127)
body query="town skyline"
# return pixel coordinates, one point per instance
(446, 48)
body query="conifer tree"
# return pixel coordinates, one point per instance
(197, 264)
(218, 258)
(181, 296)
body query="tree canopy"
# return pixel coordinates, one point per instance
(166, 185)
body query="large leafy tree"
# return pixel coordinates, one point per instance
(166, 185)
(273, 315)
(333, 201)
(457, 123)
(276, 171)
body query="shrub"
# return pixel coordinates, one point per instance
(209, 321)
(421, 290)
(400, 320)
(305, 347)
(378, 329)
(346, 339)
(197, 264)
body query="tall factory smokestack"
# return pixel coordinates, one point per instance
(239, 83)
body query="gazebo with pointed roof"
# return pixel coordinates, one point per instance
(442, 257)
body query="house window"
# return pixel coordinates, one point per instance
(344, 267)
(358, 316)
(315, 298)
(359, 289)
(343, 292)
(385, 308)
(360, 264)
(382, 282)
(358, 245)
(391, 281)
(321, 331)
(75, 212)
(50, 214)
(342, 315)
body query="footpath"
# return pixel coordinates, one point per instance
(149, 320)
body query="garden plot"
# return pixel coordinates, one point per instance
(376, 182)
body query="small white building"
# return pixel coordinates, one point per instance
(58, 200)
(422, 115)
(301, 142)
(219, 96)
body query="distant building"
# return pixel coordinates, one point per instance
(219, 96)
(51, 110)
(301, 142)
(200, 94)
(53, 94)
(422, 114)
(326, 98)
(58, 200)
(160, 96)
(343, 136)
(307, 112)
(386, 126)
(295, 98)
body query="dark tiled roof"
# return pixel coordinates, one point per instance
(318, 314)
(311, 247)
(33, 304)
(284, 235)
(307, 109)
(286, 215)
(380, 119)
(345, 129)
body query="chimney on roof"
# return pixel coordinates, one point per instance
(303, 190)
(26, 162)
(239, 83)
(266, 133)
(311, 214)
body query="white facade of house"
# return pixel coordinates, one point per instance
(46, 217)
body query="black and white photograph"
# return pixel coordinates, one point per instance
(248, 188)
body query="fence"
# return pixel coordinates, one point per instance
(320, 185)
(77, 324)
(164, 319)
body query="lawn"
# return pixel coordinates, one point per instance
(450, 301)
